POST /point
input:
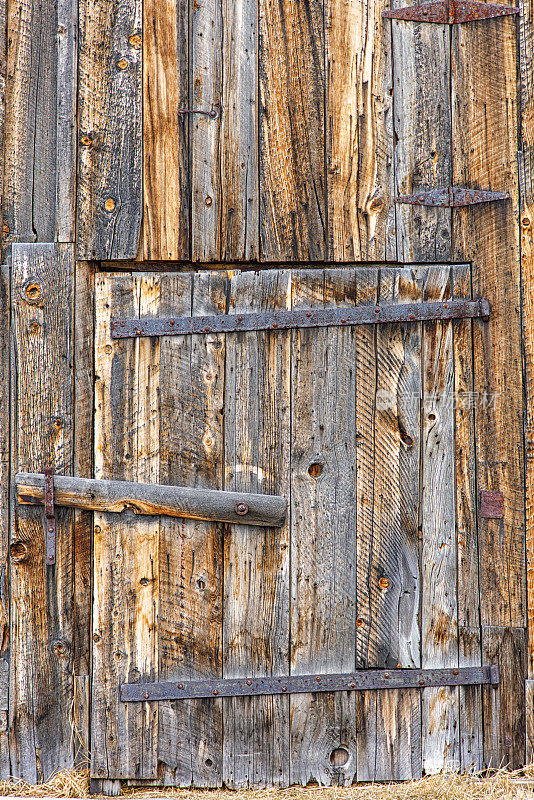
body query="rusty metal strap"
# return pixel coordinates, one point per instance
(313, 318)
(362, 680)
(451, 12)
(50, 517)
(451, 197)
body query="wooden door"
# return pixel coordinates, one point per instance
(368, 431)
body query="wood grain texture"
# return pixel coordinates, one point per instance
(484, 97)
(5, 420)
(126, 562)
(191, 552)
(359, 119)
(422, 124)
(389, 578)
(257, 458)
(41, 611)
(323, 515)
(291, 130)
(526, 212)
(439, 611)
(166, 175)
(109, 197)
(83, 520)
(224, 150)
(469, 634)
(150, 499)
(40, 136)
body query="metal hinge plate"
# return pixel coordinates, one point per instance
(50, 517)
(451, 12)
(451, 197)
(362, 680)
(316, 318)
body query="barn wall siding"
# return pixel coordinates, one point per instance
(316, 152)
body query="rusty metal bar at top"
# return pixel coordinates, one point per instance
(313, 318)
(361, 680)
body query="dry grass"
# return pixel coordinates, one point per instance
(502, 785)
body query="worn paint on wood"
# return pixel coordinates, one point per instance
(41, 687)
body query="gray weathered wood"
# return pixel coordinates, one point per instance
(5, 420)
(323, 546)
(110, 130)
(389, 723)
(40, 136)
(191, 552)
(41, 686)
(256, 632)
(145, 498)
(439, 614)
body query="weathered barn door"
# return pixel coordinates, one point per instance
(368, 432)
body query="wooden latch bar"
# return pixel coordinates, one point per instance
(451, 197)
(157, 498)
(451, 12)
(50, 517)
(362, 680)
(314, 318)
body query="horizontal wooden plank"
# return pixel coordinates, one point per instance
(146, 498)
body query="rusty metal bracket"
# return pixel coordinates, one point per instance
(362, 680)
(213, 113)
(314, 318)
(50, 517)
(451, 197)
(451, 12)
(491, 505)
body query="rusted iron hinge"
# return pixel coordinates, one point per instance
(362, 680)
(451, 197)
(451, 12)
(50, 517)
(314, 318)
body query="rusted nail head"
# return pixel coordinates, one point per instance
(109, 205)
(421, 682)
(284, 688)
(308, 313)
(171, 322)
(455, 672)
(240, 319)
(146, 695)
(180, 686)
(343, 321)
(352, 685)
(249, 682)
(215, 691)
(386, 674)
(383, 583)
(274, 325)
(122, 64)
(241, 509)
(207, 329)
(412, 316)
(377, 310)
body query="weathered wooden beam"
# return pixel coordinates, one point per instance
(146, 498)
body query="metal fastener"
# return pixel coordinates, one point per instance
(241, 509)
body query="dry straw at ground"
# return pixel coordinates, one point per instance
(502, 785)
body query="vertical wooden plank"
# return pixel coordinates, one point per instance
(439, 606)
(125, 596)
(469, 634)
(30, 166)
(224, 149)
(5, 421)
(291, 130)
(83, 467)
(422, 122)
(323, 547)
(109, 199)
(526, 211)
(256, 575)
(41, 611)
(166, 190)
(67, 78)
(359, 118)
(484, 94)
(191, 551)
(389, 723)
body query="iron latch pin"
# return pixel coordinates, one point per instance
(50, 517)
(213, 113)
